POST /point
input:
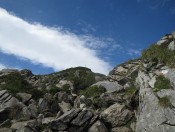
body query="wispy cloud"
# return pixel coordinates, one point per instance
(52, 47)
(100, 43)
(155, 4)
(133, 52)
(2, 66)
(86, 27)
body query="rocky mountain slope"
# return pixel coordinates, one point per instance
(136, 96)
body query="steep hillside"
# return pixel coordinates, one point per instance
(136, 96)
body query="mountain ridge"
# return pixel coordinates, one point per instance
(136, 96)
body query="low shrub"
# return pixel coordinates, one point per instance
(164, 102)
(66, 88)
(15, 83)
(161, 83)
(99, 103)
(36, 94)
(159, 53)
(80, 76)
(130, 90)
(94, 91)
(54, 90)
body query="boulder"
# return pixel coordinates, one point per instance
(121, 129)
(25, 97)
(63, 83)
(68, 116)
(26, 126)
(98, 126)
(46, 121)
(170, 74)
(43, 104)
(164, 41)
(82, 117)
(18, 125)
(34, 110)
(62, 96)
(8, 106)
(82, 106)
(152, 82)
(171, 45)
(30, 111)
(121, 69)
(117, 115)
(109, 86)
(5, 130)
(58, 125)
(25, 129)
(65, 106)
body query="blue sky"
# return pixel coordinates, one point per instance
(51, 35)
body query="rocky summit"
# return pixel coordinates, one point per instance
(136, 96)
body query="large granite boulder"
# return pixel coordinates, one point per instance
(25, 97)
(109, 86)
(98, 126)
(117, 115)
(9, 106)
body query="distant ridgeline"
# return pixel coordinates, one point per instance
(136, 96)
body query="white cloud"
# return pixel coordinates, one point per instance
(52, 47)
(2, 66)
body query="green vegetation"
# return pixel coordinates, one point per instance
(15, 83)
(99, 103)
(81, 77)
(54, 90)
(165, 102)
(130, 90)
(162, 83)
(94, 91)
(160, 54)
(66, 88)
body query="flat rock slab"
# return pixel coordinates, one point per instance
(109, 86)
(82, 118)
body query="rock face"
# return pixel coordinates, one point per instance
(151, 116)
(136, 96)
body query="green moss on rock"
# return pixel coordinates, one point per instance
(94, 91)
(162, 83)
(165, 102)
(130, 90)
